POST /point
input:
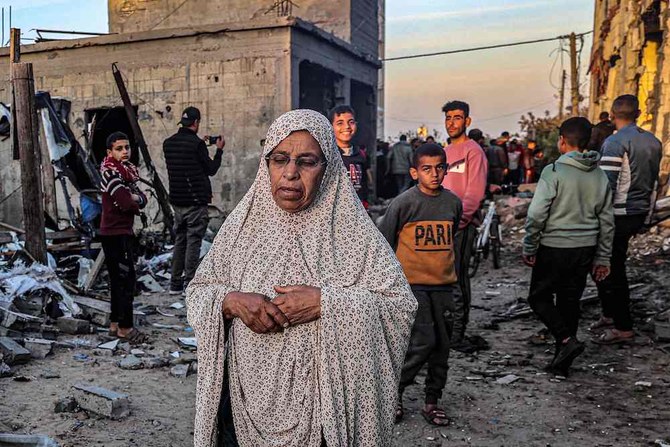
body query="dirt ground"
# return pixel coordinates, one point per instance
(598, 405)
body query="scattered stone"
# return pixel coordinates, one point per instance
(39, 348)
(179, 371)
(81, 357)
(5, 370)
(125, 346)
(13, 353)
(506, 380)
(101, 401)
(23, 378)
(130, 362)
(65, 405)
(177, 305)
(137, 352)
(111, 345)
(11, 439)
(174, 354)
(154, 362)
(103, 352)
(73, 326)
(187, 342)
(643, 384)
(49, 374)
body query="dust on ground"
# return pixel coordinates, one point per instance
(598, 405)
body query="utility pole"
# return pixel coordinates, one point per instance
(23, 94)
(561, 96)
(574, 81)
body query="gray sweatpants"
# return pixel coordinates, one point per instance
(190, 225)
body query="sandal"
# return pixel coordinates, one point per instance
(602, 323)
(399, 412)
(613, 337)
(135, 337)
(436, 416)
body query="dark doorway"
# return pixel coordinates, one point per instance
(362, 100)
(317, 87)
(102, 123)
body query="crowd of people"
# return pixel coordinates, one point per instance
(307, 313)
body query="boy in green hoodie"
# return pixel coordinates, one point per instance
(569, 232)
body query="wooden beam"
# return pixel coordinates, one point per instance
(15, 45)
(14, 56)
(23, 85)
(48, 175)
(95, 270)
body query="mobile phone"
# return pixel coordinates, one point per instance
(212, 140)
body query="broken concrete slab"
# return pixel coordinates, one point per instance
(13, 440)
(506, 380)
(39, 348)
(111, 345)
(102, 401)
(154, 362)
(73, 326)
(99, 311)
(130, 362)
(13, 353)
(187, 342)
(180, 371)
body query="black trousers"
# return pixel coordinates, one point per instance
(561, 272)
(463, 244)
(120, 261)
(430, 340)
(613, 292)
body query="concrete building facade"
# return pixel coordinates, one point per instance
(631, 55)
(241, 62)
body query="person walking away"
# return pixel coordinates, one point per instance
(399, 162)
(631, 159)
(569, 232)
(420, 225)
(189, 168)
(601, 131)
(514, 155)
(343, 119)
(466, 177)
(122, 200)
(497, 162)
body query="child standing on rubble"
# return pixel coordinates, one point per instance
(420, 225)
(121, 202)
(569, 233)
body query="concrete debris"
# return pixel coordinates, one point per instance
(101, 401)
(103, 352)
(149, 284)
(65, 405)
(154, 362)
(39, 348)
(168, 326)
(111, 345)
(130, 362)
(137, 352)
(643, 384)
(5, 370)
(99, 311)
(180, 371)
(50, 374)
(506, 380)
(177, 305)
(187, 342)
(13, 440)
(73, 326)
(13, 353)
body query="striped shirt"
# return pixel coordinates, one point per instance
(631, 158)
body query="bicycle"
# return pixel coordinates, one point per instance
(489, 241)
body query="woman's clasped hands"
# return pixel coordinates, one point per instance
(293, 305)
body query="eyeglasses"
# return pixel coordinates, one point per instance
(303, 162)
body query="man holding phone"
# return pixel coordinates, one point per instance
(189, 168)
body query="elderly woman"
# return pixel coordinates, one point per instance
(300, 305)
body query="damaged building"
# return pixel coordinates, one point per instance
(241, 62)
(631, 55)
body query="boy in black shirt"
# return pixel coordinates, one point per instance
(355, 160)
(420, 225)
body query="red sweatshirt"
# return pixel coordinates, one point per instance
(118, 207)
(466, 177)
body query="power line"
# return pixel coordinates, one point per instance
(487, 47)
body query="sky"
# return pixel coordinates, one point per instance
(500, 85)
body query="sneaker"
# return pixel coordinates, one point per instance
(567, 353)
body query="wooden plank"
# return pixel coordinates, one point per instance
(14, 45)
(48, 176)
(95, 270)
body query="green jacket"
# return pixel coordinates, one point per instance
(572, 207)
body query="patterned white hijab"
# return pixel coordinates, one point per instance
(336, 377)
